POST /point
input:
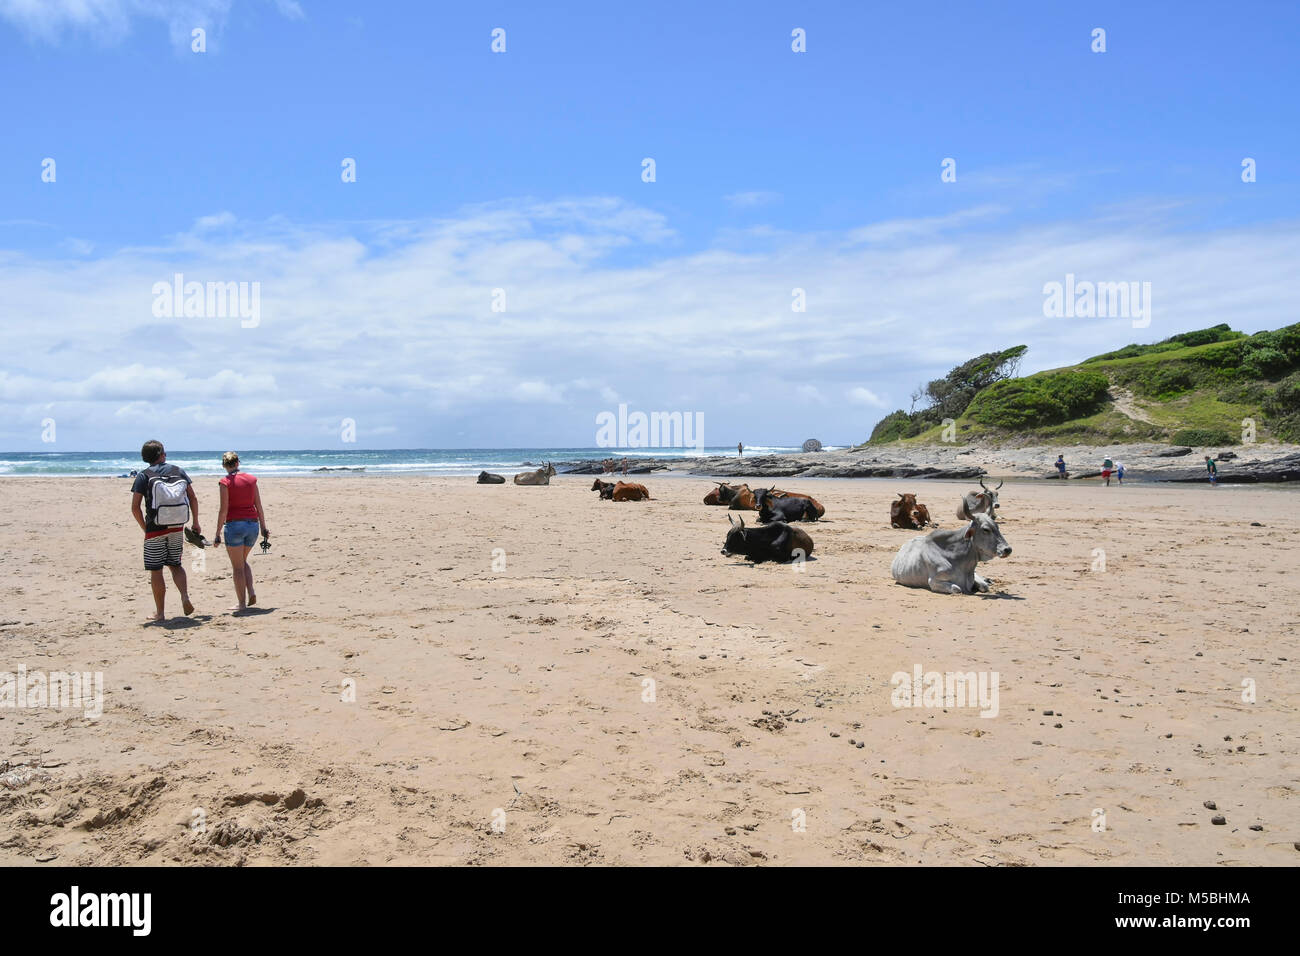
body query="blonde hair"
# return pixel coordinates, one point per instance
(229, 459)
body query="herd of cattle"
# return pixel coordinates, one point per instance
(943, 561)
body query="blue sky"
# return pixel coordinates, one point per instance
(522, 171)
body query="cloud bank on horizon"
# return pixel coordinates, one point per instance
(765, 294)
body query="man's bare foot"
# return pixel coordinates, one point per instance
(187, 605)
(252, 599)
(156, 619)
(237, 608)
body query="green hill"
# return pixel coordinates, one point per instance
(1190, 389)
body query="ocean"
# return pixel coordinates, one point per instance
(376, 462)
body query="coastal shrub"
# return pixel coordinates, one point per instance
(1264, 362)
(1202, 436)
(1217, 333)
(950, 396)
(892, 427)
(1039, 400)
(1282, 406)
(1163, 381)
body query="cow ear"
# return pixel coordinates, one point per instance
(970, 531)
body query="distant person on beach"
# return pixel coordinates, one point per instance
(168, 499)
(1212, 467)
(740, 449)
(625, 466)
(1060, 468)
(1107, 467)
(1119, 472)
(242, 516)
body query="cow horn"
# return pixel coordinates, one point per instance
(982, 485)
(731, 519)
(1000, 484)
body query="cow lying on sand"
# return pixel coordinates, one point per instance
(907, 513)
(623, 491)
(774, 542)
(944, 561)
(487, 478)
(985, 501)
(817, 510)
(722, 494)
(542, 476)
(785, 509)
(743, 500)
(630, 491)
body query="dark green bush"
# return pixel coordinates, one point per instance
(1202, 436)
(1039, 400)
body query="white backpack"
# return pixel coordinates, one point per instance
(169, 498)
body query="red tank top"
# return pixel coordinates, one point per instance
(240, 490)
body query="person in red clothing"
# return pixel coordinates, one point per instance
(242, 516)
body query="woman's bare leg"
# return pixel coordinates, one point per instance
(237, 567)
(248, 578)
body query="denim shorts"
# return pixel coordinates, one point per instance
(241, 534)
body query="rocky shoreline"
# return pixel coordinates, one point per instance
(1142, 462)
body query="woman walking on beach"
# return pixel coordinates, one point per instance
(242, 516)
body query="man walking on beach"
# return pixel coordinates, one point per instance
(1107, 467)
(169, 501)
(1060, 467)
(1212, 467)
(740, 449)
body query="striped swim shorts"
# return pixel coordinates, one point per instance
(164, 550)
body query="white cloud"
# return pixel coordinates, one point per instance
(865, 396)
(748, 200)
(391, 323)
(111, 20)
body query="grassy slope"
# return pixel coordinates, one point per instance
(1200, 407)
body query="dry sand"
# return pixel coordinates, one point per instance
(482, 691)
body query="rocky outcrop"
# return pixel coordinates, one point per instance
(1286, 468)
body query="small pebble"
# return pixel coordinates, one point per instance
(1209, 805)
(1256, 827)
(1218, 819)
(861, 744)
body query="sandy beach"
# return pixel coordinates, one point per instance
(501, 638)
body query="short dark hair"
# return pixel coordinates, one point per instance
(152, 451)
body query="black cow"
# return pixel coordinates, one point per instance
(487, 478)
(606, 488)
(784, 509)
(774, 542)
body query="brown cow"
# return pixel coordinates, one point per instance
(906, 513)
(606, 488)
(743, 500)
(630, 491)
(721, 495)
(778, 493)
